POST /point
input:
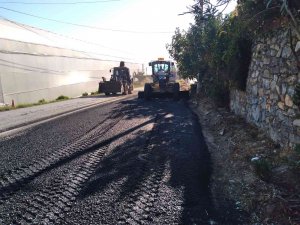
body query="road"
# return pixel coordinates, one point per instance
(130, 162)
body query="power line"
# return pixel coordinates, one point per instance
(83, 52)
(24, 67)
(23, 27)
(38, 69)
(64, 36)
(87, 26)
(58, 3)
(72, 57)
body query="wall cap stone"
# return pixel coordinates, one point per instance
(296, 123)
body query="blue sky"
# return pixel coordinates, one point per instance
(75, 13)
(134, 15)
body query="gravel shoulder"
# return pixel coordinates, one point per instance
(251, 173)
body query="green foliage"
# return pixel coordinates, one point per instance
(85, 94)
(94, 93)
(216, 49)
(262, 169)
(42, 101)
(62, 97)
(297, 149)
(26, 105)
(295, 160)
(5, 108)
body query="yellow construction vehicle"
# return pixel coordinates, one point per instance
(164, 81)
(120, 82)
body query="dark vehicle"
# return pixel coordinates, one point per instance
(120, 82)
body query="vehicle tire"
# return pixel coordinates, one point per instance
(140, 94)
(107, 94)
(176, 90)
(130, 89)
(147, 91)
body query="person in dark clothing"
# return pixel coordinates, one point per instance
(125, 76)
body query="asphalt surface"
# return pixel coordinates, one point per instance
(17, 118)
(130, 162)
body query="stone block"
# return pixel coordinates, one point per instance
(298, 131)
(283, 70)
(296, 123)
(261, 92)
(294, 138)
(274, 96)
(273, 85)
(273, 53)
(286, 52)
(278, 89)
(274, 134)
(291, 113)
(266, 83)
(281, 105)
(297, 48)
(283, 88)
(278, 55)
(277, 47)
(263, 115)
(254, 90)
(276, 70)
(291, 79)
(291, 91)
(256, 113)
(267, 74)
(266, 60)
(253, 81)
(288, 101)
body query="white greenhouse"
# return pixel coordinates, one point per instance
(35, 64)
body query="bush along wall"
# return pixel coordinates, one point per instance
(249, 59)
(271, 87)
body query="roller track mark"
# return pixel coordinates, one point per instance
(15, 179)
(141, 202)
(49, 205)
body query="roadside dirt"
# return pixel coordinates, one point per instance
(260, 178)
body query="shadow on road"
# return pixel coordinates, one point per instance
(176, 147)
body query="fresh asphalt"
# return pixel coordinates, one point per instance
(128, 162)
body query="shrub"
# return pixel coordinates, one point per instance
(262, 169)
(85, 94)
(62, 97)
(94, 93)
(42, 101)
(24, 105)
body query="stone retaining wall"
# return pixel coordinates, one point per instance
(272, 78)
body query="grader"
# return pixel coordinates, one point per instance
(164, 81)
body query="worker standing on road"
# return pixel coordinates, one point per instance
(125, 76)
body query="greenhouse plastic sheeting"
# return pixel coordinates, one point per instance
(30, 72)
